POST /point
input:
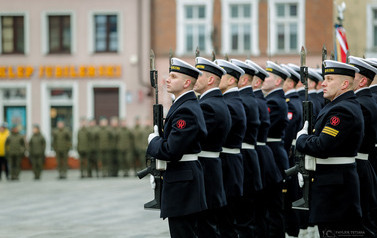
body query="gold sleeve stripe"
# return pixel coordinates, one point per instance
(330, 131)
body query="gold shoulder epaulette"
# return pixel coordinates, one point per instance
(287, 100)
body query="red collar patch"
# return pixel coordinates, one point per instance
(334, 120)
(181, 124)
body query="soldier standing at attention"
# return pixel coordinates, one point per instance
(15, 150)
(367, 176)
(139, 145)
(278, 110)
(125, 146)
(252, 174)
(37, 146)
(231, 157)
(93, 148)
(104, 145)
(114, 134)
(218, 122)
(267, 217)
(62, 142)
(295, 114)
(183, 195)
(83, 146)
(338, 133)
(4, 133)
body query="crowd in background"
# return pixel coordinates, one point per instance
(108, 149)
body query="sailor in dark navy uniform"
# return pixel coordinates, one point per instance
(268, 216)
(231, 156)
(295, 114)
(313, 79)
(338, 132)
(183, 195)
(252, 175)
(367, 176)
(278, 109)
(218, 122)
(373, 88)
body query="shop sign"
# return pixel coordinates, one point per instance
(61, 72)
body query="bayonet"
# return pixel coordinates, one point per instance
(303, 57)
(348, 57)
(213, 55)
(152, 66)
(332, 56)
(197, 52)
(226, 57)
(324, 56)
(171, 55)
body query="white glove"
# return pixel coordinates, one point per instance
(300, 180)
(304, 130)
(152, 181)
(153, 135)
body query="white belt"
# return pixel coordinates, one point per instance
(294, 142)
(273, 139)
(189, 157)
(247, 146)
(209, 154)
(336, 160)
(261, 143)
(362, 156)
(231, 151)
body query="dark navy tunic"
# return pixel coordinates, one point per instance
(252, 174)
(295, 120)
(218, 122)
(269, 171)
(367, 176)
(232, 163)
(338, 132)
(183, 182)
(278, 110)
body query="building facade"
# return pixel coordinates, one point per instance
(63, 60)
(257, 29)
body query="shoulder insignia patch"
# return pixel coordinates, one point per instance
(290, 115)
(287, 100)
(334, 120)
(269, 110)
(330, 131)
(181, 124)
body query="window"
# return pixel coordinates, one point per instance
(106, 33)
(59, 36)
(12, 35)
(371, 37)
(286, 26)
(194, 26)
(240, 26)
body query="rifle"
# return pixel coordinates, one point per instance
(303, 203)
(154, 166)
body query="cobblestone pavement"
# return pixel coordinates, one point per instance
(97, 207)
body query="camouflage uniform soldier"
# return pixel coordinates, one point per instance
(114, 161)
(139, 145)
(83, 147)
(15, 145)
(37, 146)
(61, 144)
(104, 146)
(93, 147)
(125, 147)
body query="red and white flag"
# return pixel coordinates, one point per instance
(341, 46)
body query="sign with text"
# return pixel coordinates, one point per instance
(61, 72)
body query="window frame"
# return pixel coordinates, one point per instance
(92, 31)
(226, 22)
(60, 50)
(208, 23)
(371, 50)
(274, 21)
(25, 15)
(45, 44)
